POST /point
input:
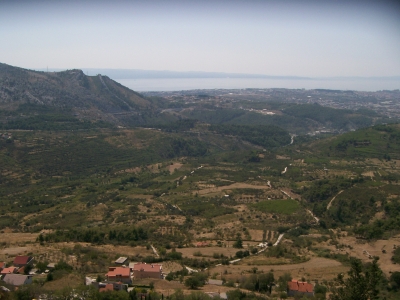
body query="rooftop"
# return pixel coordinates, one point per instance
(8, 270)
(118, 271)
(300, 286)
(121, 260)
(108, 287)
(22, 260)
(147, 267)
(16, 279)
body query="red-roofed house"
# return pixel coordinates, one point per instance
(202, 244)
(107, 287)
(110, 286)
(119, 274)
(9, 270)
(143, 270)
(22, 261)
(300, 288)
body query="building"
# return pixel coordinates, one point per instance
(2, 265)
(17, 279)
(122, 260)
(109, 286)
(9, 270)
(215, 282)
(217, 295)
(300, 288)
(202, 244)
(22, 261)
(119, 274)
(143, 270)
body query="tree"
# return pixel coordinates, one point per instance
(41, 239)
(320, 291)
(362, 282)
(266, 282)
(192, 282)
(395, 280)
(27, 269)
(196, 280)
(238, 243)
(283, 281)
(41, 266)
(132, 295)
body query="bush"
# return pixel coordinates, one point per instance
(396, 256)
(62, 265)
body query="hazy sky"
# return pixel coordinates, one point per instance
(301, 38)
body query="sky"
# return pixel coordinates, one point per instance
(280, 38)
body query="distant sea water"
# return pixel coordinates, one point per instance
(179, 84)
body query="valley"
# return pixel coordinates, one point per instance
(236, 187)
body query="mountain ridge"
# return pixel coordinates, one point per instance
(89, 97)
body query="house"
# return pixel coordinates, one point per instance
(9, 270)
(106, 287)
(131, 265)
(2, 265)
(17, 279)
(202, 244)
(119, 274)
(300, 288)
(217, 295)
(122, 260)
(110, 286)
(51, 266)
(143, 270)
(22, 261)
(215, 282)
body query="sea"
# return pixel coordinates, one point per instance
(180, 84)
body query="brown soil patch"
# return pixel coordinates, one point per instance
(233, 186)
(17, 237)
(124, 250)
(282, 157)
(374, 249)
(378, 216)
(316, 268)
(70, 281)
(174, 166)
(171, 266)
(256, 235)
(169, 287)
(368, 174)
(15, 250)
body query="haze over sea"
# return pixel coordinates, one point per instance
(178, 84)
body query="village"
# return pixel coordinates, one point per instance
(125, 276)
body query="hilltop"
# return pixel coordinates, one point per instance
(26, 93)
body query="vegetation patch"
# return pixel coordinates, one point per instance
(286, 207)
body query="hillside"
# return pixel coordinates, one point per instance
(25, 94)
(77, 188)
